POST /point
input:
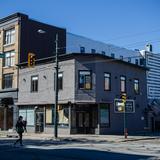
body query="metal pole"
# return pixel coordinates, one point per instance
(124, 119)
(5, 118)
(125, 129)
(56, 90)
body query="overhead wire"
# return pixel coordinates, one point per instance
(134, 35)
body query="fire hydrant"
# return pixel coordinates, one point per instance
(125, 133)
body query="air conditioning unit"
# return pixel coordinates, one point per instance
(148, 47)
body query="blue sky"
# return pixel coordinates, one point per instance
(127, 23)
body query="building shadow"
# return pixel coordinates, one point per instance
(42, 152)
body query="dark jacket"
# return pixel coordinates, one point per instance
(19, 127)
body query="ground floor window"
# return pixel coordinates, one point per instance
(49, 119)
(104, 115)
(28, 115)
(63, 115)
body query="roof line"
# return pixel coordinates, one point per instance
(63, 57)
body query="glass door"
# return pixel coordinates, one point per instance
(39, 125)
(83, 122)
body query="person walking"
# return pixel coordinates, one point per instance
(20, 127)
(25, 125)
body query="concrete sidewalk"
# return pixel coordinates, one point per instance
(90, 138)
(77, 138)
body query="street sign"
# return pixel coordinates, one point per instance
(119, 106)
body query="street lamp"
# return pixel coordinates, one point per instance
(56, 84)
(56, 90)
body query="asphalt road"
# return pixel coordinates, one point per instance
(42, 150)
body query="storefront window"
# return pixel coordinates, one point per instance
(49, 115)
(104, 115)
(63, 115)
(28, 115)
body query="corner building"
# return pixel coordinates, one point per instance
(89, 85)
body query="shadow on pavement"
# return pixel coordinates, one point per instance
(59, 141)
(65, 154)
(7, 151)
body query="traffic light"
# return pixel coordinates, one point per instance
(124, 97)
(31, 59)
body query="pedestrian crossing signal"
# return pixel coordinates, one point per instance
(124, 97)
(31, 59)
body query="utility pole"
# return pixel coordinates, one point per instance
(124, 119)
(2, 56)
(56, 90)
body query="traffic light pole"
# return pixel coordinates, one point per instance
(124, 97)
(125, 129)
(56, 90)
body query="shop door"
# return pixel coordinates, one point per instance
(83, 122)
(39, 127)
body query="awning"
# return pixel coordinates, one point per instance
(7, 101)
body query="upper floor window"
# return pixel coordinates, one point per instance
(85, 80)
(60, 81)
(82, 49)
(34, 84)
(7, 81)
(107, 81)
(123, 84)
(93, 51)
(136, 86)
(9, 59)
(9, 36)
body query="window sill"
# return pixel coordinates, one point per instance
(107, 90)
(8, 45)
(8, 90)
(83, 89)
(6, 67)
(104, 125)
(59, 126)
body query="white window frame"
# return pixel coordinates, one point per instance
(9, 60)
(9, 36)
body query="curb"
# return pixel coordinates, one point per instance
(140, 139)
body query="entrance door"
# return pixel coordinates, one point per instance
(39, 127)
(83, 122)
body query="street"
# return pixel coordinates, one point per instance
(80, 149)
